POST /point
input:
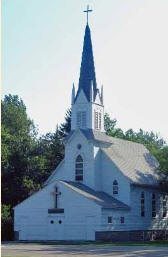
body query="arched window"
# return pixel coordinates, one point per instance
(115, 187)
(153, 205)
(142, 204)
(79, 168)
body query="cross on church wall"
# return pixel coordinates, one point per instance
(87, 12)
(56, 194)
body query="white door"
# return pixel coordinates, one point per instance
(56, 228)
(90, 228)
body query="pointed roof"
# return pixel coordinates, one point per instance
(87, 70)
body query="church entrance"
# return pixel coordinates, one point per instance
(55, 228)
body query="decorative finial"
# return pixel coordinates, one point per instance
(87, 11)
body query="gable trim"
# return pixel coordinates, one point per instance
(53, 173)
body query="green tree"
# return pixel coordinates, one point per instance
(18, 139)
(110, 127)
(65, 127)
(47, 155)
(109, 124)
(7, 222)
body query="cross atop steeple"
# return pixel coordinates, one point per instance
(87, 11)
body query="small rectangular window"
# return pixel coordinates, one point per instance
(122, 220)
(109, 219)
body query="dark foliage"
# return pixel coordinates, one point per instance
(65, 127)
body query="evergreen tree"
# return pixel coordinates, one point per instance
(65, 127)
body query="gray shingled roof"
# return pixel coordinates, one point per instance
(134, 161)
(99, 197)
(91, 134)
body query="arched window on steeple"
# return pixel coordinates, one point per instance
(115, 187)
(79, 168)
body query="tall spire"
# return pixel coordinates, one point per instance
(87, 70)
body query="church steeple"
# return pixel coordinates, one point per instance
(87, 70)
(87, 105)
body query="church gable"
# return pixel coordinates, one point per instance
(58, 172)
(98, 99)
(81, 98)
(114, 182)
(42, 197)
(75, 135)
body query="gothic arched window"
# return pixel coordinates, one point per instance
(79, 168)
(115, 187)
(142, 204)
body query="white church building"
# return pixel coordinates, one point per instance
(105, 188)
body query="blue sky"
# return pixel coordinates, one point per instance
(41, 54)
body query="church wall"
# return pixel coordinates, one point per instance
(79, 221)
(82, 216)
(81, 104)
(86, 151)
(146, 222)
(98, 168)
(132, 218)
(31, 215)
(116, 223)
(110, 173)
